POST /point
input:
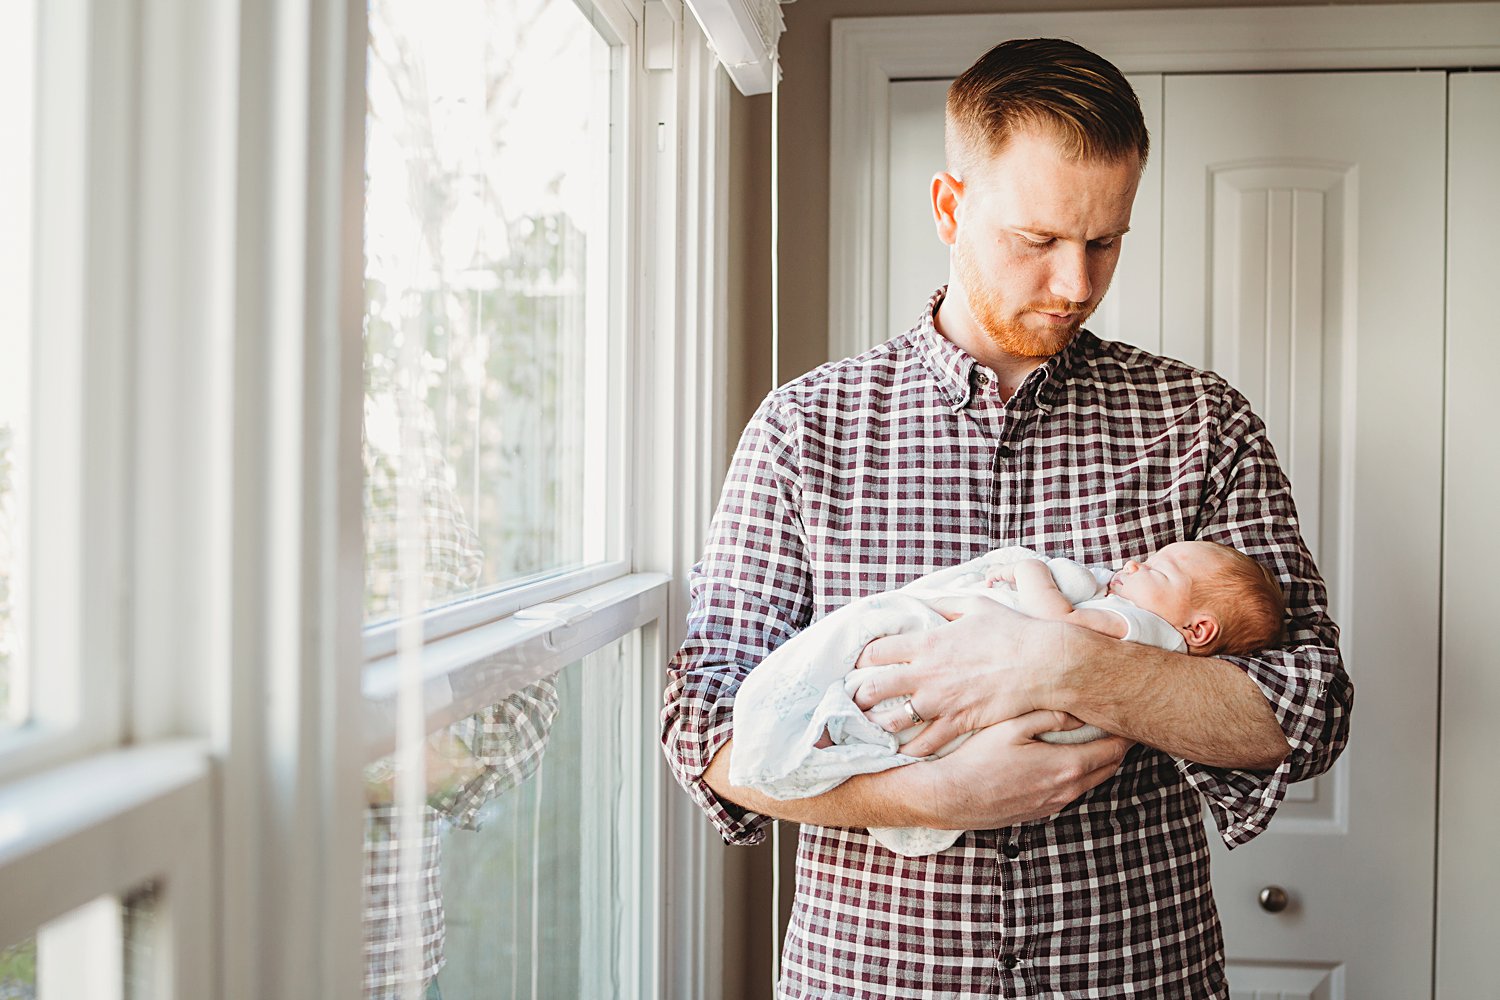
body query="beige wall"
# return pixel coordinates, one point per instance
(804, 311)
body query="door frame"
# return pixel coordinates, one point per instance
(869, 53)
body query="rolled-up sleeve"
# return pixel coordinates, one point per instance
(749, 594)
(1250, 508)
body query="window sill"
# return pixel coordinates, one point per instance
(108, 822)
(461, 674)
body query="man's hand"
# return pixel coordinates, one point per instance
(986, 666)
(1004, 775)
(999, 777)
(990, 664)
(447, 763)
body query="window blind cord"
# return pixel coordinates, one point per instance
(775, 224)
(775, 381)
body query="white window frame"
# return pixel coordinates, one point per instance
(669, 363)
(617, 22)
(219, 492)
(82, 818)
(106, 826)
(70, 585)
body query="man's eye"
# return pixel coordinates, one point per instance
(1104, 244)
(1034, 241)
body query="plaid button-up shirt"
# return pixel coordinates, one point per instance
(869, 472)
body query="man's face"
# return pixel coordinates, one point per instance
(1036, 241)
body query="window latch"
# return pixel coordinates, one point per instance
(555, 615)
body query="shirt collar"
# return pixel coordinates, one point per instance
(958, 375)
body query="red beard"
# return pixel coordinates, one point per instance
(1005, 328)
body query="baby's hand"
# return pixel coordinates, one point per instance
(1002, 574)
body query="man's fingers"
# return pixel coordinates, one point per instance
(1103, 753)
(1098, 776)
(1046, 720)
(932, 739)
(896, 714)
(879, 685)
(889, 649)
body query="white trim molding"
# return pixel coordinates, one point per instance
(869, 53)
(107, 825)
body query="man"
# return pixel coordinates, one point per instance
(998, 420)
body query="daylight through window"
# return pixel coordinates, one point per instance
(487, 293)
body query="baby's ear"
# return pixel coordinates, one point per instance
(1200, 632)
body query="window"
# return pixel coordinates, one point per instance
(512, 647)
(104, 949)
(489, 333)
(17, 93)
(194, 359)
(529, 878)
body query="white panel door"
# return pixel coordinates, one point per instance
(1303, 260)
(917, 261)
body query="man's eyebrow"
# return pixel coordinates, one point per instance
(1046, 233)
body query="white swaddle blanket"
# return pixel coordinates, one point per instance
(807, 686)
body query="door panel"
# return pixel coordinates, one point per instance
(1303, 260)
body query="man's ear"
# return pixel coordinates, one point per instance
(1201, 631)
(947, 190)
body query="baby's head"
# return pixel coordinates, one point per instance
(1220, 599)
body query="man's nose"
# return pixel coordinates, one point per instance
(1070, 275)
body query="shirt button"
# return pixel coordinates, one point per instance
(1010, 961)
(1013, 850)
(982, 379)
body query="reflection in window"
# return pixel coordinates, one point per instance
(486, 227)
(521, 886)
(17, 138)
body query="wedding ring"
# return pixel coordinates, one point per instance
(911, 713)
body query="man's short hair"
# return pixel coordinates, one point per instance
(1247, 601)
(1045, 85)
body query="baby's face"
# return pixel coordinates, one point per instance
(1163, 582)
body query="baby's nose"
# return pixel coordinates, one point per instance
(1131, 565)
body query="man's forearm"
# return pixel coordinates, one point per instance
(1198, 708)
(1000, 776)
(889, 798)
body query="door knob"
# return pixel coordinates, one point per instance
(1273, 899)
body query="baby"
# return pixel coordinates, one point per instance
(798, 732)
(1199, 598)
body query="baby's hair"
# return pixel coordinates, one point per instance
(1247, 601)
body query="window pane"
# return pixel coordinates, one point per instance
(527, 852)
(102, 950)
(487, 342)
(18, 971)
(17, 138)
